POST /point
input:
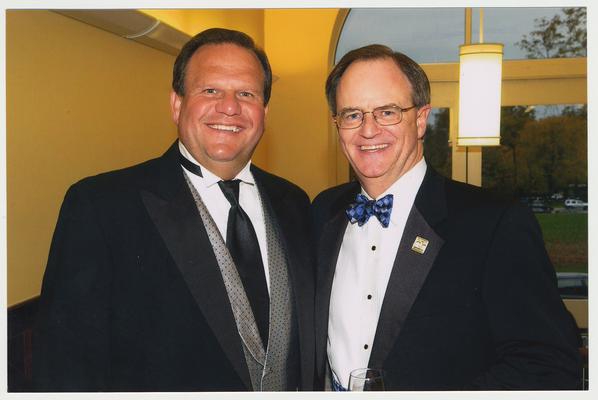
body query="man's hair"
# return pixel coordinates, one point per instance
(218, 36)
(420, 86)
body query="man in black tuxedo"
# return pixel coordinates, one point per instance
(435, 282)
(191, 271)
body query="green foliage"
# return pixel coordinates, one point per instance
(576, 38)
(500, 166)
(560, 36)
(538, 157)
(581, 112)
(436, 149)
(554, 154)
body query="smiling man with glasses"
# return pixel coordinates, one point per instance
(437, 283)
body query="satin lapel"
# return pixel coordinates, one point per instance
(176, 217)
(327, 255)
(410, 268)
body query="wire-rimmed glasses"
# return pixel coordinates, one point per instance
(386, 115)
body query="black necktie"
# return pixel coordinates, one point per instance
(242, 243)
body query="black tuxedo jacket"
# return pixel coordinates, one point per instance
(133, 298)
(479, 309)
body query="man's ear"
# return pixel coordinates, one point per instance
(422, 120)
(175, 106)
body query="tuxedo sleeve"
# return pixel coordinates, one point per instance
(534, 336)
(71, 335)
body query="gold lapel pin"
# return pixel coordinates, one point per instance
(420, 244)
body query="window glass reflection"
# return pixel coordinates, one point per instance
(433, 35)
(427, 35)
(542, 161)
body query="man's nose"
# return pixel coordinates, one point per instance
(369, 127)
(229, 104)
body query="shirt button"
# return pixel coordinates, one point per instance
(369, 296)
(373, 248)
(365, 346)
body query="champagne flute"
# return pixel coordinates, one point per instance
(366, 379)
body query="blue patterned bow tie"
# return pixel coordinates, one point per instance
(363, 209)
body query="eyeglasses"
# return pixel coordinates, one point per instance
(386, 115)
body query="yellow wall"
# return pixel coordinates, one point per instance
(194, 21)
(79, 101)
(297, 43)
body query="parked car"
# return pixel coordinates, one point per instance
(573, 285)
(576, 204)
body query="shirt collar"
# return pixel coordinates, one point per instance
(405, 188)
(209, 179)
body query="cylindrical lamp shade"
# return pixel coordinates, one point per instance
(480, 76)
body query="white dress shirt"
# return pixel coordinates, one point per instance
(218, 206)
(363, 269)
